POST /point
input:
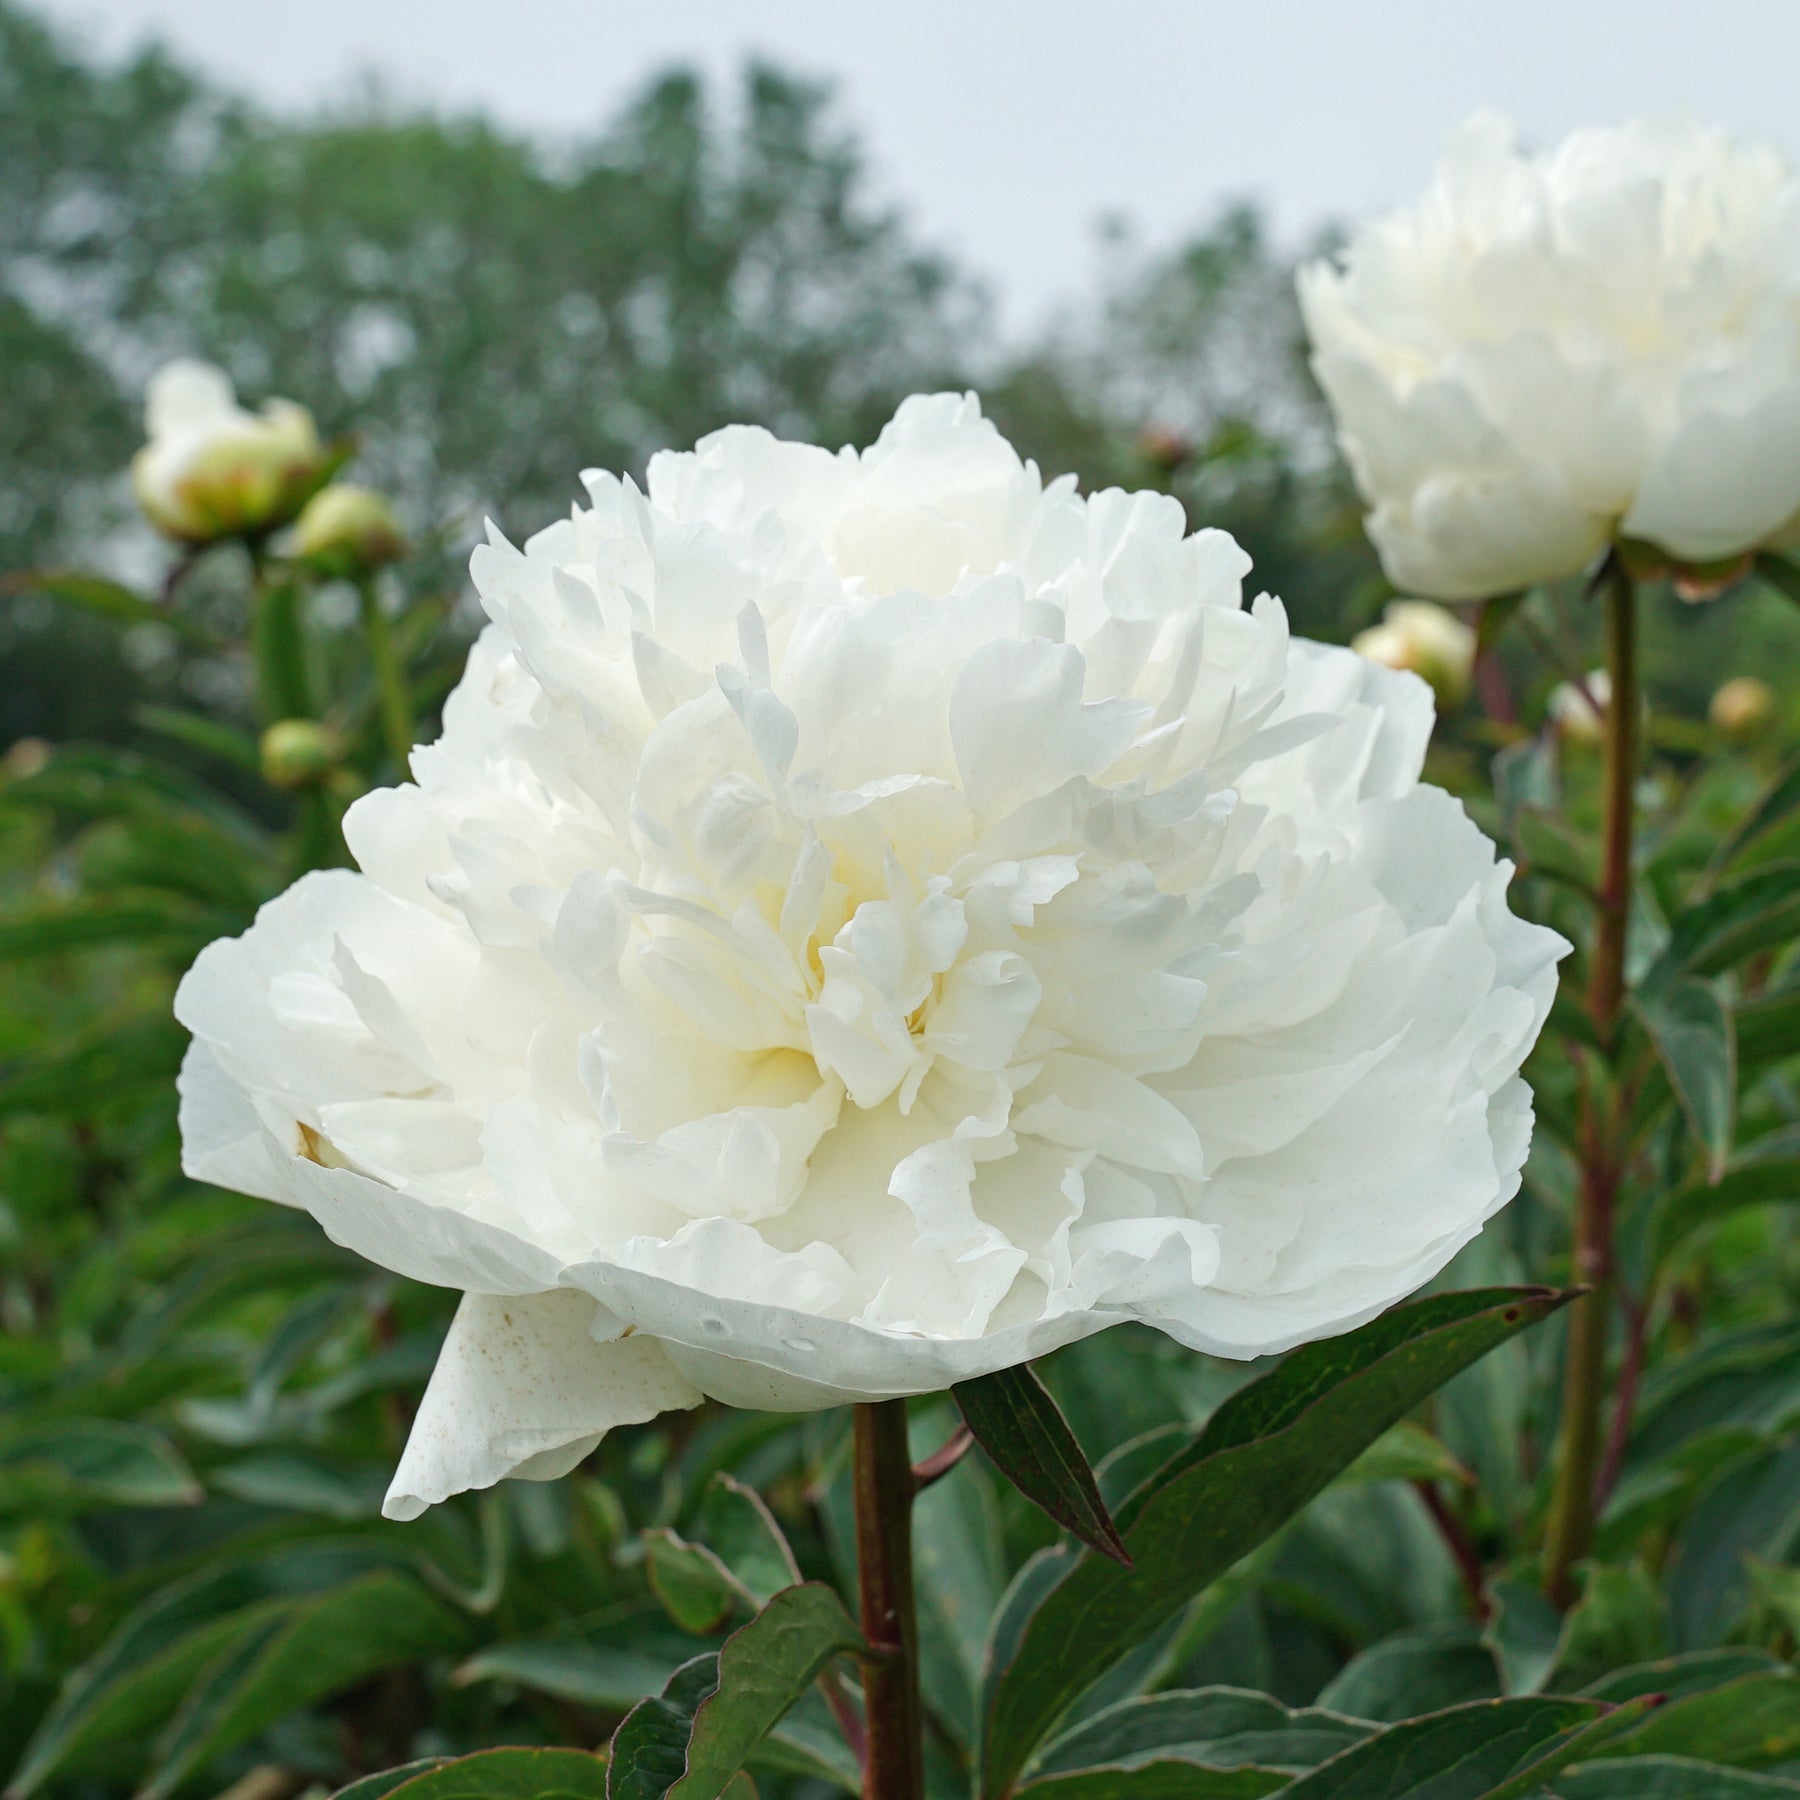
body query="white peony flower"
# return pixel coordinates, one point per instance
(1551, 352)
(870, 920)
(1429, 641)
(211, 469)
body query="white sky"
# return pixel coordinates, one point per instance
(1007, 126)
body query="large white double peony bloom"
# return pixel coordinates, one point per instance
(869, 920)
(1550, 352)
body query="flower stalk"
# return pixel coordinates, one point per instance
(1602, 1128)
(391, 689)
(894, 1768)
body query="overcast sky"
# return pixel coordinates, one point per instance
(1007, 126)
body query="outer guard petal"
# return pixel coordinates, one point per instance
(521, 1388)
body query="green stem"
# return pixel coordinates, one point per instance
(283, 687)
(895, 1769)
(1584, 1373)
(390, 680)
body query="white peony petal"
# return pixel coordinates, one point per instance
(522, 1388)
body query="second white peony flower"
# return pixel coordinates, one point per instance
(871, 919)
(1553, 352)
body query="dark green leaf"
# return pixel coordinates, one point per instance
(737, 1526)
(84, 1464)
(1751, 1507)
(1679, 1676)
(108, 599)
(1492, 1750)
(319, 1647)
(696, 1589)
(688, 1742)
(1267, 1451)
(1690, 1025)
(1029, 1441)
(1165, 1778)
(1768, 1170)
(1225, 1728)
(375, 1787)
(1730, 924)
(85, 924)
(1768, 1027)
(1496, 615)
(499, 1775)
(84, 1073)
(1780, 800)
(1423, 1670)
(1668, 1778)
(614, 1676)
(1750, 1723)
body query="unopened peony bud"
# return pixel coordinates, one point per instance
(1425, 639)
(1164, 448)
(1578, 717)
(299, 753)
(212, 470)
(348, 530)
(25, 757)
(1742, 708)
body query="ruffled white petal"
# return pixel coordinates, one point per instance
(870, 921)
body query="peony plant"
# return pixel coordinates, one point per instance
(869, 920)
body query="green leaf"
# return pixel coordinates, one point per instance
(1496, 614)
(1690, 1025)
(1405, 1452)
(496, 1775)
(108, 599)
(612, 1676)
(736, 1525)
(1751, 1507)
(1029, 1441)
(86, 1464)
(88, 923)
(1222, 1727)
(687, 1742)
(1780, 801)
(1668, 1778)
(1782, 575)
(1778, 1589)
(317, 1648)
(84, 1073)
(376, 1787)
(1769, 1170)
(1768, 1027)
(1525, 1634)
(696, 1589)
(1422, 1670)
(1732, 923)
(1750, 1723)
(1491, 1750)
(1268, 1450)
(1166, 1778)
(1676, 1677)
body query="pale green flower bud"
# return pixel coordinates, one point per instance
(348, 530)
(1428, 641)
(299, 753)
(1742, 708)
(212, 470)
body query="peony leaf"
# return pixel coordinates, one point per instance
(1488, 1750)
(310, 1651)
(83, 1465)
(1779, 802)
(1029, 1441)
(508, 1774)
(1690, 1025)
(1755, 913)
(109, 600)
(1750, 1723)
(1165, 1778)
(1768, 1171)
(1669, 1778)
(689, 1741)
(735, 1524)
(1768, 1027)
(1264, 1454)
(696, 1589)
(84, 924)
(1220, 1727)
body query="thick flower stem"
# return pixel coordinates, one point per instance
(1584, 1380)
(895, 1768)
